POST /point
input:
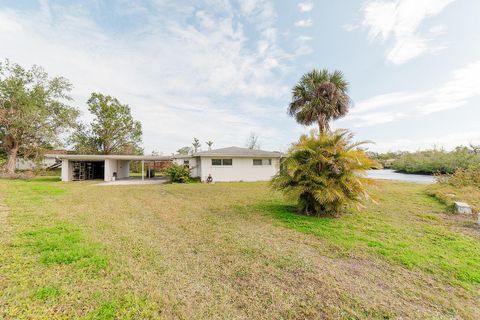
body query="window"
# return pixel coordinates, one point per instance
(222, 162)
(262, 162)
(186, 162)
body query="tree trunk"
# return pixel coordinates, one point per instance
(11, 147)
(323, 126)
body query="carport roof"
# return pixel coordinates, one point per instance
(102, 157)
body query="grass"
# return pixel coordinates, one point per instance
(422, 242)
(448, 194)
(230, 250)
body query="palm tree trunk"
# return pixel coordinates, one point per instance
(323, 126)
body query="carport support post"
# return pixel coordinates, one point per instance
(143, 169)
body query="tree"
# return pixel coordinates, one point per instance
(320, 97)
(209, 144)
(112, 131)
(475, 148)
(324, 173)
(252, 141)
(34, 111)
(196, 145)
(184, 151)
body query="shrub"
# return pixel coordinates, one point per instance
(462, 178)
(324, 173)
(436, 161)
(178, 173)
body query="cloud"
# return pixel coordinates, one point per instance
(302, 45)
(304, 23)
(463, 86)
(305, 6)
(188, 72)
(400, 21)
(350, 27)
(447, 141)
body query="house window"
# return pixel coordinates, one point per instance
(262, 162)
(186, 163)
(221, 162)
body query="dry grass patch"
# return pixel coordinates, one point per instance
(228, 250)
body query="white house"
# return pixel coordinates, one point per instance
(79, 167)
(48, 161)
(232, 164)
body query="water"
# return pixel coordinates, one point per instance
(387, 174)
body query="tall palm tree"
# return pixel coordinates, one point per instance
(320, 96)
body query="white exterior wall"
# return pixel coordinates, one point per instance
(242, 169)
(26, 164)
(67, 170)
(110, 168)
(123, 169)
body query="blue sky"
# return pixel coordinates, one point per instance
(218, 70)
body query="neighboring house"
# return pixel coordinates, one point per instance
(49, 161)
(232, 164)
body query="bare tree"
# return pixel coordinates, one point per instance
(252, 141)
(475, 148)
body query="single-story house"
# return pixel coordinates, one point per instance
(232, 164)
(79, 167)
(226, 164)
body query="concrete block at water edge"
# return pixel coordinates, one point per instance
(462, 207)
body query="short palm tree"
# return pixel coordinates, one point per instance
(209, 144)
(320, 96)
(324, 173)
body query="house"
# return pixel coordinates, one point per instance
(79, 167)
(49, 161)
(232, 164)
(226, 164)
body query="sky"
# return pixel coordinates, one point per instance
(219, 70)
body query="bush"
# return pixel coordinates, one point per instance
(436, 161)
(178, 173)
(324, 173)
(462, 178)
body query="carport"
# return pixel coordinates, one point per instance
(80, 167)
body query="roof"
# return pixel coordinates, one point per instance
(239, 152)
(55, 152)
(101, 157)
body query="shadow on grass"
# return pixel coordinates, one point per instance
(288, 214)
(45, 179)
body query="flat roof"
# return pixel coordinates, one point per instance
(101, 157)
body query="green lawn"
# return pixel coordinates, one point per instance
(229, 251)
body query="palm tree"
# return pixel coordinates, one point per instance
(196, 145)
(209, 144)
(320, 97)
(324, 173)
